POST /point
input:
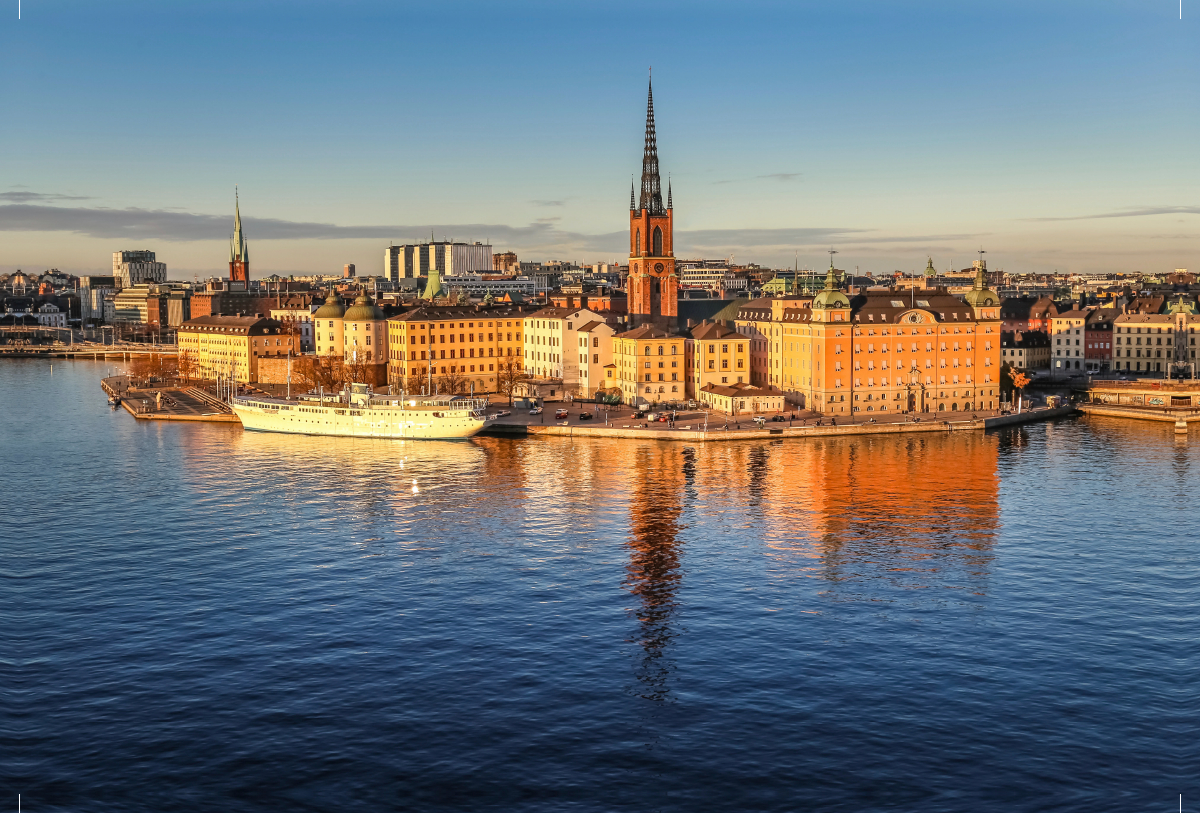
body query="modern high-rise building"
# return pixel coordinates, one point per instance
(653, 286)
(239, 252)
(451, 259)
(136, 267)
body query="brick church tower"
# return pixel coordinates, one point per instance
(239, 254)
(653, 286)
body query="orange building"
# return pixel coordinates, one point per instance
(885, 350)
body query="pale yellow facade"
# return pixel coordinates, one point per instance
(651, 365)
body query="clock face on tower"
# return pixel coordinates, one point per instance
(658, 267)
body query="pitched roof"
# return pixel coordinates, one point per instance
(741, 390)
(646, 332)
(712, 330)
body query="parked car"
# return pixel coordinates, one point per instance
(663, 417)
(652, 416)
(535, 411)
(560, 414)
(585, 416)
(777, 419)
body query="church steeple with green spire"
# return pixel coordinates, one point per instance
(239, 252)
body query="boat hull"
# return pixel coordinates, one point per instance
(343, 421)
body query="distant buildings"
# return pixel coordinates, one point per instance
(450, 259)
(505, 263)
(136, 268)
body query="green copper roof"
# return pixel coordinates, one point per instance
(979, 294)
(830, 297)
(434, 287)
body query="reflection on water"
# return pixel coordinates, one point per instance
(934, 622)
(662, 477)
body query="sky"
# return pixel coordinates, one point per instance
(1053, 135)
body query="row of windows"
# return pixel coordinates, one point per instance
(462, 354)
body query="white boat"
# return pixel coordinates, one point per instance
(357, 412)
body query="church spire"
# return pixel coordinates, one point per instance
(669, 205)
(632, 205)
(651, 182)
(239, 253)
(239, 239)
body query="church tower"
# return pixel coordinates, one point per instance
(653, 286)
(239, 254)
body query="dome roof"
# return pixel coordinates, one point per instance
(831, 299)
(979, 294)
(830, 296)
(364, 310)
(332, 309)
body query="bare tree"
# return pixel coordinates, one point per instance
(417, 380)
(185, 365)
(452, 383)
(354, 370)
(509, 376)
(316, 373)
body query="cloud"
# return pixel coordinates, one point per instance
(549, 203)
(781, 176)
(32, 197)
(1145, 211)
(543, 237)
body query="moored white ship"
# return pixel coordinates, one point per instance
(359, 413)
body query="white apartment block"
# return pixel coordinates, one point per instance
(595, 348)
(451, 259)
(136, 267)
(1067, 333)
(551, 343)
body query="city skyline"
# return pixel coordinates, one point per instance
(893, 132)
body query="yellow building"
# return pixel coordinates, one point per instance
(884, 350)
(739, 399)
(720, 356)
(364, 333)
(456, 348)
(651, 365)
(231, 346)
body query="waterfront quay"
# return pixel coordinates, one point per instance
(167, 401)
(709, 427)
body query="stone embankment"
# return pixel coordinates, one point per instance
(770, 431)
(1142, 413)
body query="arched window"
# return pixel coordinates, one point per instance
(637, 244)
(657, 242)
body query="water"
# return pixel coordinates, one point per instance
(197, 618)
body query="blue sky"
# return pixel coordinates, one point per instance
(1053, 134)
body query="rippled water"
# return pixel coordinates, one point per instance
(198, 618)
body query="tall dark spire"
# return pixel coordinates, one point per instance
(632, 205)
(651, 183)
(669, 205)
